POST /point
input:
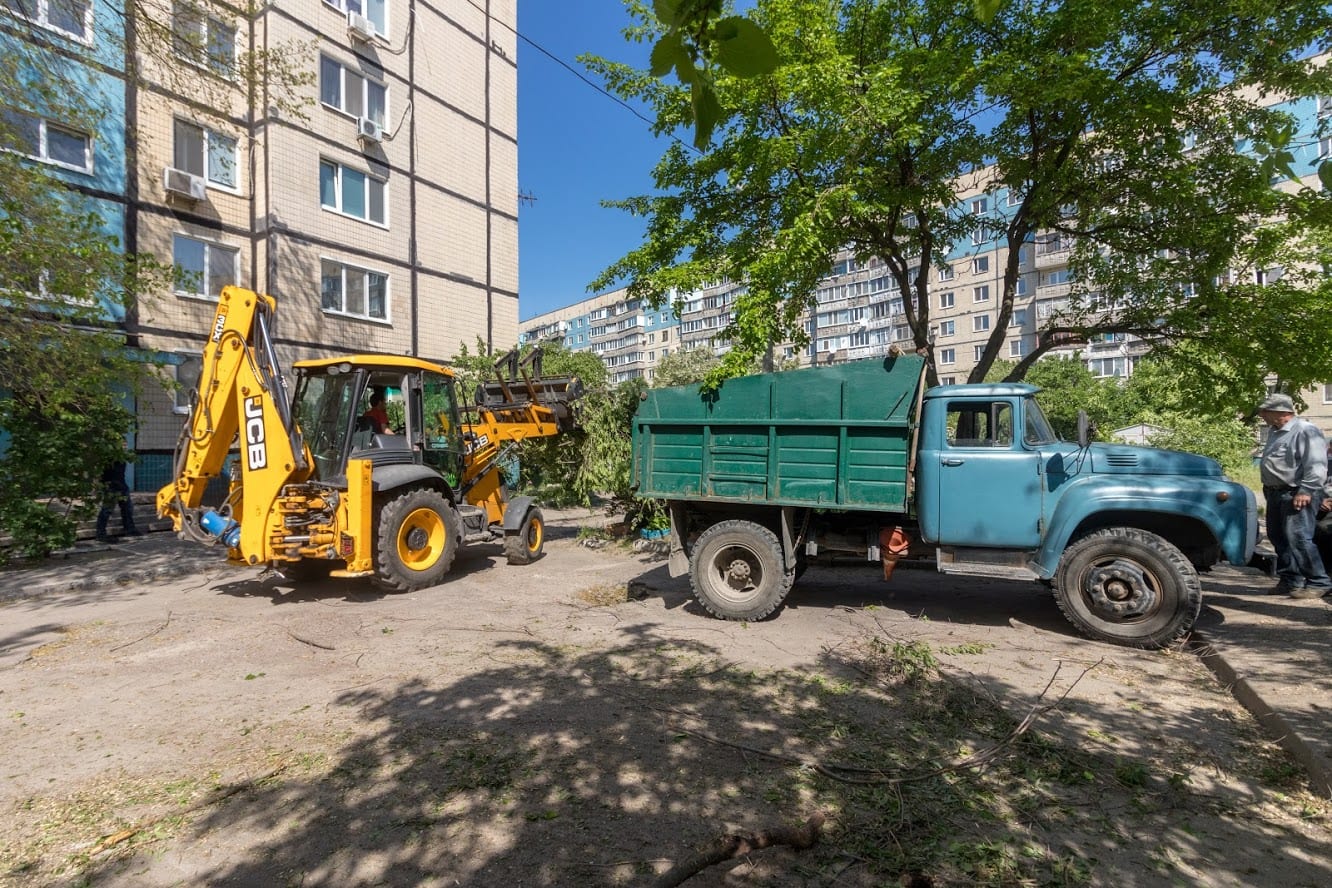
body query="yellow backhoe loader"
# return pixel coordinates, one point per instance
(318, 485)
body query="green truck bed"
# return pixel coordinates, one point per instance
(832, 437)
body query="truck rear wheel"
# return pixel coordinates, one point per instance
(737, 571)
(1128, 586)
(416, 540)
(526, 544)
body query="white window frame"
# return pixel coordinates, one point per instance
(947, 328)
(1324, 107)
(980, 265)
(977, 352)
(361, 6)
(199, 55)
(1015, 349)
(209, 246)
(42, 19)
(344, 72)
(1014, 197)
(980, 206)
(209, 138)
(345, 269)
(947, 356)
(946, 274)
(947, 299)
(981, 293)
(340, 170)
(44, 145)
(980, 323)
(979, 236)
(1018, 318)
(1327, 393)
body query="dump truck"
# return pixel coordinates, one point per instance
(319, 487)
(862, 460)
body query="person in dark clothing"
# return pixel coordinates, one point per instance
(1294, 472)
(114, 479)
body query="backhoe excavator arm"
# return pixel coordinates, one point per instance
(242, 395)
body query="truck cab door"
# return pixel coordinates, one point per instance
(980, 486)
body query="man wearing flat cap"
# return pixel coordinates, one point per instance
(1294, 469)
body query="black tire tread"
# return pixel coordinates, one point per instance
(515, 544)
(1183, 570)
(388, 573)
(784, 579)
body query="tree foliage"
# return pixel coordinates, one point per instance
(1145, 138)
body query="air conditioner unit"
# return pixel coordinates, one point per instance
(184, 184)
(369, 131)
(360, 28)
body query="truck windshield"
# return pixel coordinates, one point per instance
(1037, 428)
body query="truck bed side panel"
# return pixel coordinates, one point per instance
(832, 437)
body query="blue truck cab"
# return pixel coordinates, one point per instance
(861, 459)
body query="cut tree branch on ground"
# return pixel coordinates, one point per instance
(729, 847)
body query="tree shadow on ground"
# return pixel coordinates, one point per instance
(555, 766)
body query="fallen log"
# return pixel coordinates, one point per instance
(729, 847)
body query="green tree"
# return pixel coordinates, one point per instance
(1104, 122)
(685, 367)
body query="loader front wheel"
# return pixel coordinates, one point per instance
(737, 571)
(415, 542)
(527, 543)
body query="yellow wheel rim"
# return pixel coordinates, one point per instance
(534, 535)
(421, 539)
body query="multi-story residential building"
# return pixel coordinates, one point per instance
(627, 335)
(357, 159)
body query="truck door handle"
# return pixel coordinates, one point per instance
(952, 461)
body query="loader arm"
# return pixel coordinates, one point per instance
(241, 397)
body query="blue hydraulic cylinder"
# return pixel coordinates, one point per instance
(225, 529)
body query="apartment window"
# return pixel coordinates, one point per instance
(981, 293)
(980, 265)
(1324, 107)
(70, 17)
(352, 193)
(375, 10)
(1327, 393)
(1015, 349)
(980, 205)
(44, 140)
(1014, 197)
(947, 356)
(1022, 259)
(978, 237)
(1018, 318)
(203, 152)
(351, 93)
(977, 352)
(203, 39)
(352, 291)
(980, 323)
(947, 380)
(1056, 277)
(1020, 289)
(202, 267)
(946, 300)
(665, 335)
(1325, 147)
(947, 328)
(946, 274)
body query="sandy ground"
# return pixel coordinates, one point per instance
(530, 726)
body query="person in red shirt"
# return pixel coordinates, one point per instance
(377, 415)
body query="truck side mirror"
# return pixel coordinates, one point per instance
(1084, 429)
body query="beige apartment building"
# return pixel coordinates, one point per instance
(371, 188)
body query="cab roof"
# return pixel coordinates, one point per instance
(348, 363)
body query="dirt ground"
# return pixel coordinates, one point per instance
(579, 721)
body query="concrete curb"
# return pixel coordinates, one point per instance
(1276, 725)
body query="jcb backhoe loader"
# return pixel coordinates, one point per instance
(321, 489)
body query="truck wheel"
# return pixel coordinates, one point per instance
(1128, 586)
(737, 571)
(526, 544)
(416, 540)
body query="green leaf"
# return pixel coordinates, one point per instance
(707, 111)
(666, 10)
(668, 53)
(743, 48)
(1325, 174)
(986, 10)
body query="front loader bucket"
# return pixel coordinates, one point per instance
(525, 386)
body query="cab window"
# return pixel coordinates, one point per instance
(980, 424)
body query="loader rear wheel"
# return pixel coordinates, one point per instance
(737, 571)
(416, 540)
(527, 543)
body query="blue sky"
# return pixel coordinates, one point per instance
(576, 147)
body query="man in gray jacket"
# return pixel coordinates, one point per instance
(1294, 470)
